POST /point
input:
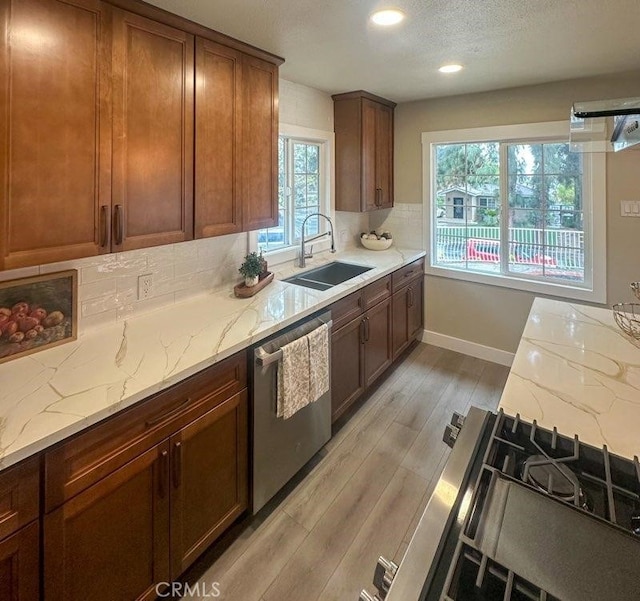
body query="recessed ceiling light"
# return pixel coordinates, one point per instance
(450, 68)
(389, 16)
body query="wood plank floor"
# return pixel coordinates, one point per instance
(364, 493)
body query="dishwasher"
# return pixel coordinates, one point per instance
(282, 446)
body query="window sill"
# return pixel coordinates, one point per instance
(521, 284)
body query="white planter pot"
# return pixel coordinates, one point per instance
(249, 282)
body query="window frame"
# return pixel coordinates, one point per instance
(594, 189)
(326, 141)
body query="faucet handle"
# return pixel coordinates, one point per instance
(309, 255)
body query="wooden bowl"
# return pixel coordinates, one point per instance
(381, 244)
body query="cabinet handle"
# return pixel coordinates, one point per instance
(378, 196)
(164, 416)
(162, 476)
(366, 327)
(362, 331)
(103, 225)
(177, 464)
(118, 225)
(410, 297)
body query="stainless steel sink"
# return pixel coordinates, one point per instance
(327, 276)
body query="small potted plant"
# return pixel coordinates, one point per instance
(251, 269)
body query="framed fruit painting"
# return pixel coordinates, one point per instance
(37, 312)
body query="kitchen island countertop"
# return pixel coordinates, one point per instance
(50, 395)
(576, 370)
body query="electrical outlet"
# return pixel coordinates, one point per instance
(145, 286)
(344, 236)
(630, 208)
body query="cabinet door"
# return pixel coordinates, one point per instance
(153, 69)
(209, 475)
(218, 123)
(111, 542)
(260, 144)
(377, 355)
(347, 364)
(369, 191)
(400, 313)
(55, 130)
(19, 565)
(408, 315)
(384, 157)
(415, 311)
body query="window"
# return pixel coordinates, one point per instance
(513, 206)
(301, 192)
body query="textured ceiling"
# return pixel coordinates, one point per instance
(330, 44)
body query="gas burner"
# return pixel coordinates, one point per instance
(555, 479)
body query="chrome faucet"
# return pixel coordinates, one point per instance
(303, 252)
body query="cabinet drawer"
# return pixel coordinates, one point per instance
(407, 273)
(80, 462)
(19, 496)
(376, 292)
(346, 309)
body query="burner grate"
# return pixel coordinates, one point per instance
(478, 578)
(565, 468)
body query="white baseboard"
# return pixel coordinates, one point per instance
(466, 347)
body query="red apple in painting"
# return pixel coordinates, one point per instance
(38, 314)
(20, 308)
(27, 323)
(3, 318)
(5, 311)
(9, 328)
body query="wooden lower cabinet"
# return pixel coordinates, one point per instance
(111, 542)
(209, 479)
(360, 353)
(347, 366)
(20, 564)
(138, 523)
(408, 315)
(377, 345)
(374, 327)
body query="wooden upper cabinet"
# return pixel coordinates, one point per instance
(364, 151)
(384, 156)
(260, 144)
(153, 99)
(55, 130)
(218, 129)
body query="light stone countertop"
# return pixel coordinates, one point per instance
(55, 393)
(576, 370)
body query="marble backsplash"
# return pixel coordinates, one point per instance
(404, 221)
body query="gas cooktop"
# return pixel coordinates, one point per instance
(522, 513)
(551, 518)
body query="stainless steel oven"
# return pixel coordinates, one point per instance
(522, 513)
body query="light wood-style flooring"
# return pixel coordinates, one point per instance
(362, 497)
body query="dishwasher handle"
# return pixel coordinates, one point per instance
(263, 358)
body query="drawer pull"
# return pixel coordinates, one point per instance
(165, 416)
(366, 329)
(162, 476)
(177, 464)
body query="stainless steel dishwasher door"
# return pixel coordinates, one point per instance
(282, 446)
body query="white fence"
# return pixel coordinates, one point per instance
(563, 249)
